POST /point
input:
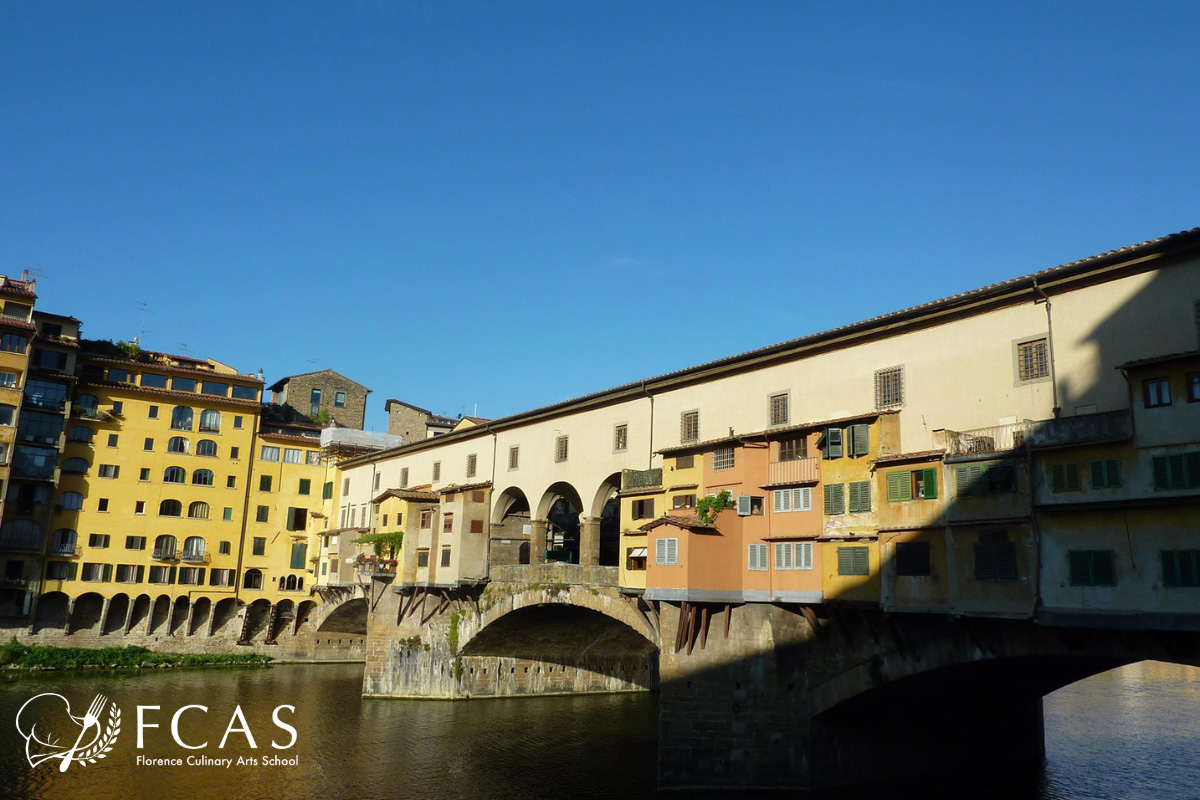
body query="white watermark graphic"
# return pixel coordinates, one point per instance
(47, 725)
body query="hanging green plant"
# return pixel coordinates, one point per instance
(707, 507)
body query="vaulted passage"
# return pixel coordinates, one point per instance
(558, 648)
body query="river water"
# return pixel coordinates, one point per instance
(1130, 733)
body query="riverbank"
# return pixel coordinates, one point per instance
(17, 656)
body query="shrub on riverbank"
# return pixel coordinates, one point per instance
(15, 655)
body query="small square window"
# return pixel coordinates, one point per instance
(112, 440)
(223, 548)
(102, 505)
(1156, 392)
(779, 411)
(1033, 360)
(234, 452)
(237, 423)
(139, 507)
(153, 412)
(305, 486)
(264, 483)
(227, 514)
(889, 388)
(144, 474)
(260, 545)
(262, 514)
(231, 481)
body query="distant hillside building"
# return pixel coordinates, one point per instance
(324, 396)
(412, 422)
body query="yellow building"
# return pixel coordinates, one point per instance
(671, 490)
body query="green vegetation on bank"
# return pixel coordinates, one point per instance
(15, 655)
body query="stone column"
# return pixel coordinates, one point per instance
(70, 613)
(589, 541)
(128, 615)
(537, 541)
(104, 614)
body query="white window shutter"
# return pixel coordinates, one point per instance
(660, 551)
(672, 551)
(779, 555)
(743, 505)
(804, 555)
(751, 558)
(789, 561)
(778, 498)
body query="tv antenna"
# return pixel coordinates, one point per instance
(184, 348)
(145, 309)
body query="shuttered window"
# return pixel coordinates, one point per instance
(858, 440)
(833, 443)
(685, 462)
(1065, 478)
(1092, 567)
(981, 479)
(445, 557)
(1180, 471)
(299, 553)
(689, 427)
(643, 509)
(1106, 473)
(666, 552)
(995, 557)
(860, 496)
(854, 561)
(756, 557)
(912, 559)
(835, 498)
(779, 408)
(437, 471)
(1181, 568)
(799, 499)
(793, 555)
(472, 462)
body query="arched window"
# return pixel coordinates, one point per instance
(198, 510)
(170, 508)
(87, 402)
(64, 542)
(299, 582)
(164, 546)
(282, 583)
(21, 534)
(252, 579)
(206, 447)
(178, 444)
(181, 418)
(175, 475)
(71, 501)
(80, 433)
(76, 466)
(193, 549)
(202, 477)
(291, 582)
(210, 420)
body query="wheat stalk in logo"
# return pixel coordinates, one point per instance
(45, 727)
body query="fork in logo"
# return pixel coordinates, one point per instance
(92, 717)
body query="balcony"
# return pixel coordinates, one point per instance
(34, 469)
(66, 550)
(799, 470)
(45, 402)
(192, 557)
(163, 554)
(633, 480)
(982, 441)
(94, 414)
(1109, 426)
(30, 541)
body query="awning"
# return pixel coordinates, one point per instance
(637, 552)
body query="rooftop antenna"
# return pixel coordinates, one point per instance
(37, 273)
(145, 309)
(184, 348)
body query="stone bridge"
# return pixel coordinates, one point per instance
(754, 695)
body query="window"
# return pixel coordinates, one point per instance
(221, 577)
(206, 447)
(643, 509)
(685, 462)
(793, 555)
(854, 560)
(12, 343)
(109, 470)
(202, 477)
(756, 557)
(912, 559)
(223, 548)
(259, 546)
(198, 510)
(264, 483)
(299, 555)
(683, 501)
(268, 453)
(128, 573)
(292, 455)
(112, 440)
(234, 452)
(174, 475)
(666, 552)
(102, 504)
(70, 501)
(916, 484)
(305, 486)
(253, 579)
(210, 421)
(445, 557)
(85, 402)
(231, 481)
(560, 449)
(403, 478)
(191, 576)
(153, 381)
(620, 438)
(297, 519)
(831, 443)
(859, 493)
(722, 458)
(314, 402)
(160, 575)
(94, 572)
(635, 558)
(858, 440)
(57, 570)
(8, 380)
(181, 418)
(1033, 360)
(1181, 568)
(1156, 392)
(139, 507)
(339, 399)
(426, 519)
(327, 490)
(785, 500)
(835, 498)
(995, 557)
(749, 505)
(378, 478)
(183, 384)
(982, 479)
(1106, 473)
(447, 523)
(227, 514)
(176, 444)
(793, 449)
(437, 470)
(214, 388)
(1065, 478)
(472, 460)
(148, 444)
(76, 434)
(193, 548)
(345, 486)
(422, 558)
(1092, 567)
(689, 427)
(262, 513)
(1180, 471)
(164, 547)
(75, 466)
(63, 543)
(1192, 382)
(98, 540)
(170, 508)
(889, 388)
(778, 408)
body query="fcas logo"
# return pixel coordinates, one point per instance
(52, 732)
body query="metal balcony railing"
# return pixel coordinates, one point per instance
(66, 551)
(993, 439)
(193, 557)
(800, 470)
(163, 554)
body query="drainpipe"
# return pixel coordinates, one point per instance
(1057, 409)
(487, 551)
(650, 455)
(238, 577)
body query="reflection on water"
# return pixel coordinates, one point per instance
(1131, 733)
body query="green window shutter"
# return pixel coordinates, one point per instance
(1098, 475)
(845, 561)
(839, 498)
(71, 571)
(1058, 478)
(931, 484)
(1170, 568)
(1079, 567)
(864, 496)
(200, 576)
(1176, 466)
(141, 574)
(299, 550)
(860, 440)
(862, 561)
(1104, 567)
(833, 443)
(894, 480)
(977, 483)
(1113, 470)
(1162, 478)
(106, 572)
(171, 576)
(1006, 561)
(1192, 470)
(962, 480)
(1074, 483)
(853, 492)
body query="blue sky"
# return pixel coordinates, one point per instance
(509, 204)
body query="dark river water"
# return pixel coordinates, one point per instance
(1131, 733)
